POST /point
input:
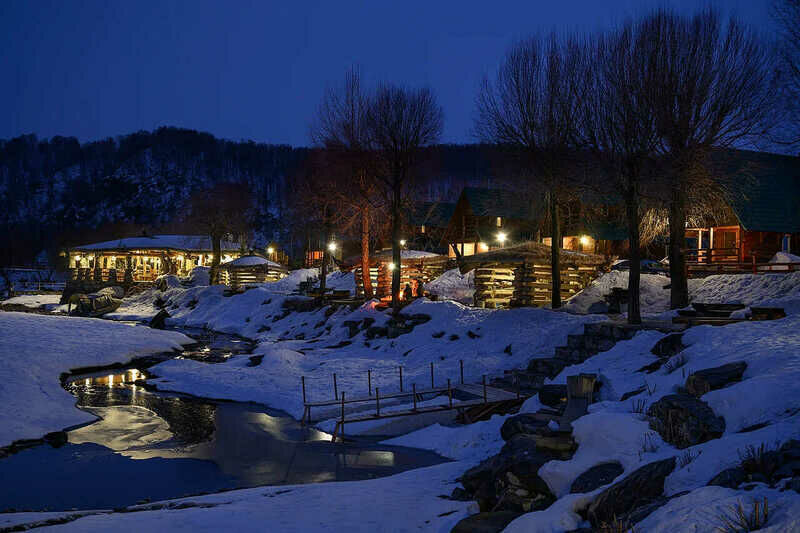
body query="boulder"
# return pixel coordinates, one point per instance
(684, 421)
(668, 346)
(159, 321)
(703, 381)
(524, 423)
(596, 476)
(486, 522)
(641, 487)
(730, 478)
(115, 291)
(552, 395)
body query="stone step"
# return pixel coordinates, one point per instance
(547, 366)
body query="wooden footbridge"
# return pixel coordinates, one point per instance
(472, 401)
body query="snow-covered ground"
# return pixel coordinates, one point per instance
(318, 343)
(36, 349)
(453, 285)
(34, 301)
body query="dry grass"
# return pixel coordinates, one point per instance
(639, 406)
(738, 520)
(617, 525)
(687, 457)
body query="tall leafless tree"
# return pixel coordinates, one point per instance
(533, 106)
(787, 14)
(340, 127)
(711, 79)
(620, 128)
(401, 121)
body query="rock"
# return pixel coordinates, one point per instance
(600, 307)
(684, 421)
(552, 395)
(596, 476)
(524, 423)
(703, 381)
(460, 495)
(668, 346)
(158, 321)
(633, 393)
(641, 487)
(255, 360)
(486, 522)
(114, 291)
(510, 480)
(793, 484)
(376, 331)
(548, 366)
(730, 478)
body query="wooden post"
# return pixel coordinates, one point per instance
(369, 381)
(377, 402)
(414, 391)
(449, 393)
(401, 378)
(335, 389)
(303, 384)
(432, 385)
(755, 270)
(516, 381)
(484, 389)
(461, 363)
(342, 424)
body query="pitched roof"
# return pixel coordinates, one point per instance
(433, 214)
(189, 243)
(501, 203)
(766, 187)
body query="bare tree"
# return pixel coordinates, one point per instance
(401, 122)
(533, 106)
(711, 80)
(217, 212)
(620, 128)
(340, 127)
(787, 14)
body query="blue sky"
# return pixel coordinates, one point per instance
(257, 69)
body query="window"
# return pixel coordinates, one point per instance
(499, 222)
(422, 229)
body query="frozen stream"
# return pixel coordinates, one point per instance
(150, 446)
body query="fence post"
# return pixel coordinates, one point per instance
(461, 363)
(342, 424)
(414, 391)
(755, 270)
(449, 393)
(401, 378)
(432, 385)
(335, 389)
(369, 381)
(377, 402)
(303, 384)
(484, 388)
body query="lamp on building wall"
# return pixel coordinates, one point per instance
(391, 266)
(584, 240)
(402, 242)
(483, 247)
(332, 246)
(270, 250)
(501, 237)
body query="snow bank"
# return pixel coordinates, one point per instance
(453, 285)
(654, 298)
(33, 300)
(36, 349)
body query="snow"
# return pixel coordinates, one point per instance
(251, 260)
(453, 285)
(187, 243)
(36, 349)
(654, 298)
(33, 300)
(785, 257)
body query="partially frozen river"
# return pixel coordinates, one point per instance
(150, 446)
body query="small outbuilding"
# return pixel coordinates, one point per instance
(417, 267)
(250, 269)
(520, 275)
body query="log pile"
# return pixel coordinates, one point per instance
(526, 285)
(412, 270)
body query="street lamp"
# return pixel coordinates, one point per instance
(332, 246)
(391, 266)
(270, 250)
(501, 237)
(402, 242)
(584, 240)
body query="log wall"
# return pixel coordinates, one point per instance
(526, 285)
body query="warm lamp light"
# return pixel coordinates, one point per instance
(391, 266)
(501, 237)
(402, 242)
(332, 247)
(270, 250)
(584, 240)
(482, 246)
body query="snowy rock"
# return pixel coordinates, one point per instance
(524, 423)
(703, 381)
(548, 366)
(684, 421)
(641, 487)
(486, 522)
(552, 395)
(115, 292)
(167, 281)
(159, 321)
(670, 345)
(596, 477)
(730, 477)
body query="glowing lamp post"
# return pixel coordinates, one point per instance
(332, 247)
(501, 237)
(584, 240)
(402, 242)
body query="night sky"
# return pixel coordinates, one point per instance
(257, 69)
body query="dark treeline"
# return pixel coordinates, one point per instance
(58, 192)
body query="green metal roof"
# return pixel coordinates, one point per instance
(765, 189)
(501, 203)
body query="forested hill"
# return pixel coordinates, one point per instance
(55, 191)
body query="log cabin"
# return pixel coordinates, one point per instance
(427, 222)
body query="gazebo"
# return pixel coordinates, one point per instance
(250, 269)
(520, 275)
(416, 266)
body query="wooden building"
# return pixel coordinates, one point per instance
(426, 223)
(486, 219)
(146, 257)
(521, 275)
(417, 267)
(763, 215)
(250, 270)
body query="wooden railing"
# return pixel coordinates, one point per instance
(752, 266)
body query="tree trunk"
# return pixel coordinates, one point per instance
(679, 288)
(634, 256)
(216, 245)
(396, 245)
(555, 252)
(365, 270)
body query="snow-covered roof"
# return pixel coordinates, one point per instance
(251, 260)
(188, 243)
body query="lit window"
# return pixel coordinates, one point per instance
(422, 229)
(499, 222)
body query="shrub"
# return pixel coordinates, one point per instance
(738, 520)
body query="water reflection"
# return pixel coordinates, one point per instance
(149, 445)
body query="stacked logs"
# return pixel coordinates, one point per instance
(412, 270)
(526, 285)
